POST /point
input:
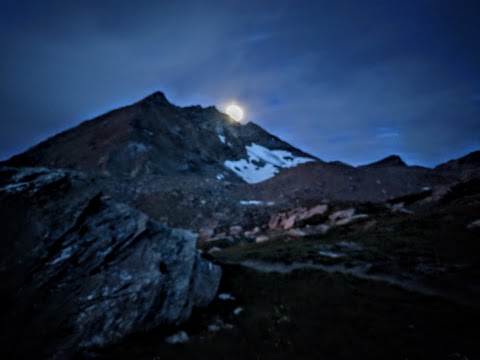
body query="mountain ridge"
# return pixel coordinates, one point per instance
(153, 139)
(153, 136)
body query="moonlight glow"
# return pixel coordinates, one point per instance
(235, 112)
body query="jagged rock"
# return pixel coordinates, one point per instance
(344, 217)
(81, 271)
(298, 216)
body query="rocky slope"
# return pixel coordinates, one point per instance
(466, 167)
(154, 137)
(81, 271)
(189, 166)
(90, 249)
(337, 182)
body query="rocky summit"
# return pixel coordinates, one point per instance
(116, 233)
(154, 137)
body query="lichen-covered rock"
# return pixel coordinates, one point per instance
(81, 271)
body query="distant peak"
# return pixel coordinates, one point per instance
(392, 160)
(157, 97)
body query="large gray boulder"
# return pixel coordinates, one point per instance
(81, 271)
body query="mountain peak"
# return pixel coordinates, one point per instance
(157, 97)
(155, 137)
(392, 160)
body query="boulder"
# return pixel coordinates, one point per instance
(81, 271)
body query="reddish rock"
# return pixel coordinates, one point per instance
(289, 222)
(316, 210)
(297, 216)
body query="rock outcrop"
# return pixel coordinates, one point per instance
(81, 271)
(297, 217)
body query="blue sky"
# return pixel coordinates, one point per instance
(344, 80)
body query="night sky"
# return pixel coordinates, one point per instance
(344, 80)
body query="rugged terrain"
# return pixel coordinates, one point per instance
(81, 271)
(114, 233)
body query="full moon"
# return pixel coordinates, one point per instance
(235, 112)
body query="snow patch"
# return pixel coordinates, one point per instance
(222, 138)
(251, 169)
(220, 177)
(251, 202)
(256, 202)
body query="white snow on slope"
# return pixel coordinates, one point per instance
(251, 202)
(256, 202)
(222, 138)
(275, 159)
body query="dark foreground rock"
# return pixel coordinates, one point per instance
(80, 271)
